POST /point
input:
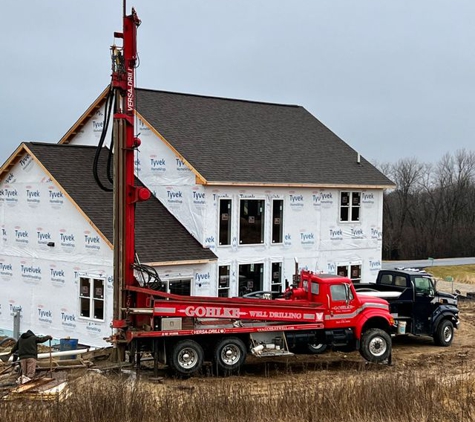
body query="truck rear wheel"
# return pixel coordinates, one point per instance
(444, 334)
(375, 345)
(186, 357)
(229, 354)
(317, 349)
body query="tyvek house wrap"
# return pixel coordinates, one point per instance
(46, 246)
(312, 231)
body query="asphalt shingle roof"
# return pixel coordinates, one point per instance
(159, 235)
(236, 141)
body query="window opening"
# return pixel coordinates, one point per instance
(350, 206)
(180, 287)
(276, 279)
(91, 297)
(251, 221)
(250, 278)
(353, 272)
(224, 221)
(223, 284)
(277, 220)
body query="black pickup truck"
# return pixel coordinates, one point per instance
(416, 304)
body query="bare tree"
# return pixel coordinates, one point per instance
(432, 210)
(398, 203)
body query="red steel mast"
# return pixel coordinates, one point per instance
(126, 193)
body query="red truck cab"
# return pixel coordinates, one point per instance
(347, 317)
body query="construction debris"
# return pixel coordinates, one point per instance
(39, 389)
(57, 367)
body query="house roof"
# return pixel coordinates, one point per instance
(160, 238)
(228, 141)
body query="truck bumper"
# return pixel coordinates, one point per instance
(456, 322)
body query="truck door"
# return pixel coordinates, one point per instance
(423, 306)
(342, 304)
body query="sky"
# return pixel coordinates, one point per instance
(394, 79)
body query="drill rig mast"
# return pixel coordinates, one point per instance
(126, 193)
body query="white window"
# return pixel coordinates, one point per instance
(91, 297)
(223, 284)
(352, 271)
(350, 206)
(276, 277)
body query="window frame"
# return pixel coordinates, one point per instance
(349, 270)
(246, 289)
(228, 225)
(350, 207)
(226, 288)
(92, 297)
(176, 279)
(277, 227)
(250, 219)
(276, 284)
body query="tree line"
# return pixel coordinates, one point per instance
(431, 212)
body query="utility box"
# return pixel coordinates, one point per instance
(169, 324)
(66, 344)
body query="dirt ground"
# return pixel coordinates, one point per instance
(418, 354)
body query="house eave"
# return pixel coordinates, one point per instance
(299, 185)
(175, 263)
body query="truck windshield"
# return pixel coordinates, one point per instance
(423, 285)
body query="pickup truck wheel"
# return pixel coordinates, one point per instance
(444, 333)
(317, 349)
(186, 357)
(229, 354)
(375, 345)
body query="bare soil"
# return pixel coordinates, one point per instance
(419, 355)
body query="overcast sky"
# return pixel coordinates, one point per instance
(393, 78)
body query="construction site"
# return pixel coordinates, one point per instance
(295, 388)
(181, 276)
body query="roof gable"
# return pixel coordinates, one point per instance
(160, 238)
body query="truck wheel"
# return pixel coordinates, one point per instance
(444, 333)
(186, 357)
(375, 345)
(317, 349)
(229, 354)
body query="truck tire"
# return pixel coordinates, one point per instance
(317, 349)
(444, 334)
(186, 357)
(375, 345)
(229, 354)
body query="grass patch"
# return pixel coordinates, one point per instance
(363, 397)
(459, 273)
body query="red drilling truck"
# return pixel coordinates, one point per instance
(323, 310)
(184, 331)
